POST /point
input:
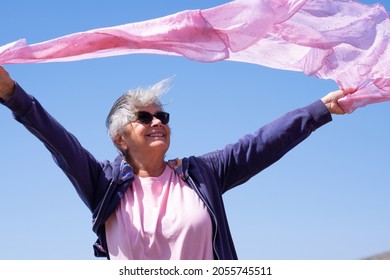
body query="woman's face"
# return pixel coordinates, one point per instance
(140, 139)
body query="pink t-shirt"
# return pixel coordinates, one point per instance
(160, 218)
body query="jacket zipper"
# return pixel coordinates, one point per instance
(103, 200)
(210, 210)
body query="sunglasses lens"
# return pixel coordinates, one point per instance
(145, 117)
(163, 117)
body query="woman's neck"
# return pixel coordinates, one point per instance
(148, 170)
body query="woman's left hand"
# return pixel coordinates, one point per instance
(331, 100)
(7, 85)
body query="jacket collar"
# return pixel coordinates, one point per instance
(122, 171)
(179, 166)
(125, 171)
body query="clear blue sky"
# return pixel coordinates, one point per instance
(327, 199)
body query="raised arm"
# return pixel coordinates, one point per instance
(238, 162)
(82, 169)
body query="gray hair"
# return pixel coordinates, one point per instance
(125, 107)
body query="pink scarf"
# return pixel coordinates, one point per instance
(341, 40)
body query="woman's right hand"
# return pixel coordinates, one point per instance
(7, 85)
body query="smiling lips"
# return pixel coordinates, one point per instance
(156, 134)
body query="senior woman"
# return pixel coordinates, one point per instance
(145, 207)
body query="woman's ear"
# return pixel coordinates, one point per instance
(120, 143)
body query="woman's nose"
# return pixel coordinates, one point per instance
(156, 122)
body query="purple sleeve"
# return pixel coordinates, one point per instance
(78, 164)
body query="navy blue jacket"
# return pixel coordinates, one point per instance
(102, 184)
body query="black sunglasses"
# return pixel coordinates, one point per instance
(146, 117)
